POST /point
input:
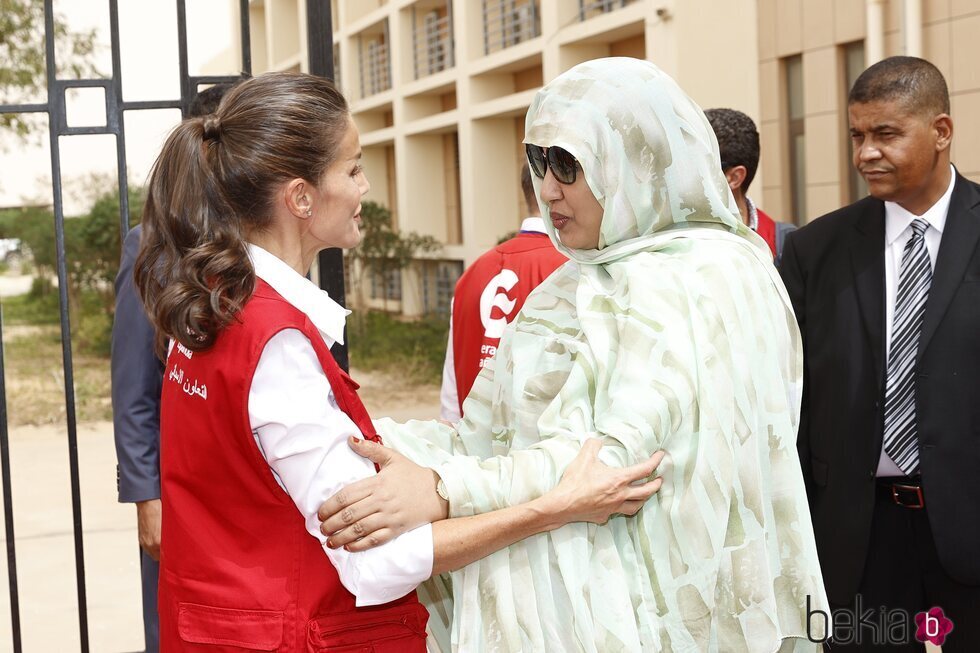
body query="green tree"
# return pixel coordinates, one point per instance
(34, 227)
(23, 73)
(384, 249)
(92, 250)
(93, 247)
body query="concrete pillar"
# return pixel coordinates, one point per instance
(874, 44)
(912, 27)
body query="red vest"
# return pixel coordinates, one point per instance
(238, 570)
(767, 229)
(490, 294)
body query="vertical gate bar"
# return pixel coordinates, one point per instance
(246, 26)
(186, 92)
(8, 505)
(117, 117)
(319, 37)
(56, 107)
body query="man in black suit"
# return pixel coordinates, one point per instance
(887, 295)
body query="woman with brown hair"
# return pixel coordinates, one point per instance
(256, 415)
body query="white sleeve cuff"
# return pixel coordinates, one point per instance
(387, 572)
(302, 434)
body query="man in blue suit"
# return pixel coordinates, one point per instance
(137, 379)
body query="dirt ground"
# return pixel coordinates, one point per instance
(387, 395)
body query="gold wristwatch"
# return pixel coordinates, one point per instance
(441, 490)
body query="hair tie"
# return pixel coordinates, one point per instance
(212, 128)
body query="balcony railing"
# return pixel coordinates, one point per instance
(587, 10)
(509, 22)
(432, 41)
(375, 65)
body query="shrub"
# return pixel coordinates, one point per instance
(92, 249)
(414, 350)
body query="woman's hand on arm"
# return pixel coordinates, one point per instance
(592, 491)
(372, 511)
(588, 491)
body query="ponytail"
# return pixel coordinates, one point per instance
(213, 184)
(193, 271)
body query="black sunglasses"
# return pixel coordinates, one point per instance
(563, 165)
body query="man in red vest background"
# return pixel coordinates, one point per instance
(738, 142)
(488, 296)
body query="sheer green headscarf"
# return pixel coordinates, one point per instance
(647, 151)
(675, 334)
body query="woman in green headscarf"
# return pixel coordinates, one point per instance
(669, 329)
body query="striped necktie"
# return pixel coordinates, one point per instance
(901, 444)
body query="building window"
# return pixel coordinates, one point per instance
(589, 8)
(853, 67)
(509, 22)
(438, 284)
(793, 67)
(375, 63)
(432, 37)
(386, 284)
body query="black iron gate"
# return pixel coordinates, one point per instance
(320, 39)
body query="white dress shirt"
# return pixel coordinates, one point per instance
(448, 394)
(302, 434)
(898, 230)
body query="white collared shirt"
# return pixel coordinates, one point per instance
(534, 224)
(898, 230)
(302, 434)
(753, 223)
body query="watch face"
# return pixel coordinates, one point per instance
(441, 490)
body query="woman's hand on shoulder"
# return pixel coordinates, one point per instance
(591, 491)
(372, 511)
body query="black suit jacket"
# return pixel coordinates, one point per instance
(137, 379)
(834, 270)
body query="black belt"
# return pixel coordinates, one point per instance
(905, 492)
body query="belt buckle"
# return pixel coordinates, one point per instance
(917, 489)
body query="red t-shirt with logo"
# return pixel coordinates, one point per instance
(490, 294)
(767, 229)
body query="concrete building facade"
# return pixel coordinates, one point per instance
(439, 90)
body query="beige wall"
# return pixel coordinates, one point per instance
(818, 30)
